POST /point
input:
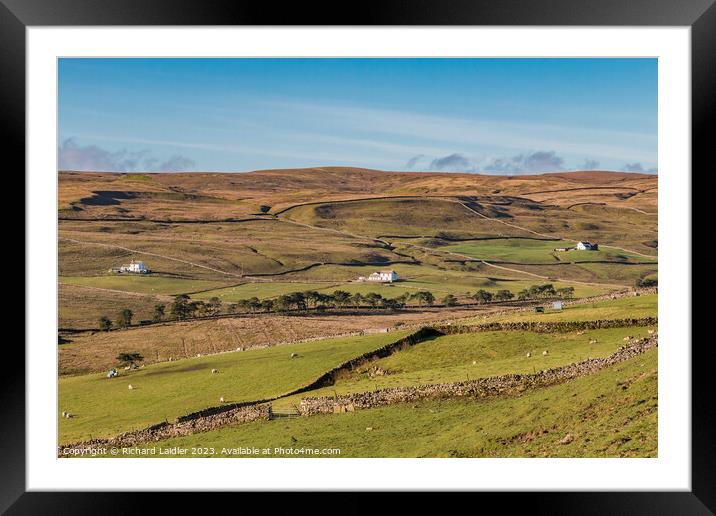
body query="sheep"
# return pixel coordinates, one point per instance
(68, 415)
(474, 362)
(545, 353)
(593, 341)
(221, 400)
(214, 371)
(130, 387)
(529, 354)
(294, 355)
(64, 414)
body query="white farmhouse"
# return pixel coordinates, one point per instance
(383, 276)
(587, 246)
(135, 266)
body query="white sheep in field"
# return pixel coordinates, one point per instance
(221, 400)
(64, 414)
(545, 353)
(130, 387)
(529, 354)
(214, 371)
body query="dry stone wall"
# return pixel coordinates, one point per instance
(547, 327)
(161, 431)
(480, 388)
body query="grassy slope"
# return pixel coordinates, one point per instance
(262, 290)
(413, 278)
(409, 217)
(625, 307)
(450, 359)
(81, 307)
(534, 251)
(610, 414)
(105, 407)
(146, 284)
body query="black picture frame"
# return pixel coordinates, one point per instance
(17, 15)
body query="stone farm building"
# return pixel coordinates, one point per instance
(135, 266)
(587, 246)
(381, 277)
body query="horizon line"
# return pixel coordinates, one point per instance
(480, 173)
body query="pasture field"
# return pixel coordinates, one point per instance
(535, 251)
(96, 351)
(604, 275)
(81, 307)
(450, 359)
(413, 278)
(260, 289)
(105, 407)
(621, 308)
(612, 413)
(143, 284)
(211, 251)
(387, 290)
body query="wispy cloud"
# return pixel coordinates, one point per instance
(72, 156)
(413, 162)
(471, 133)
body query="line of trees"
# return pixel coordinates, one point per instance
(534, 292)
(183, 307)
(338, 299)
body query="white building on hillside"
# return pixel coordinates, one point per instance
(587, 246)
(136, 267)
(383, 276)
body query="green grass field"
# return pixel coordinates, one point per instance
(262, 290)
(535, 251)
(621, 308)
(413, 278)
(105, 407)
(612, 413)
(144, 284)
(450, 359)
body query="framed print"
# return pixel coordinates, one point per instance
(424, 249)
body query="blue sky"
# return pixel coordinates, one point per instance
(500, 116)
